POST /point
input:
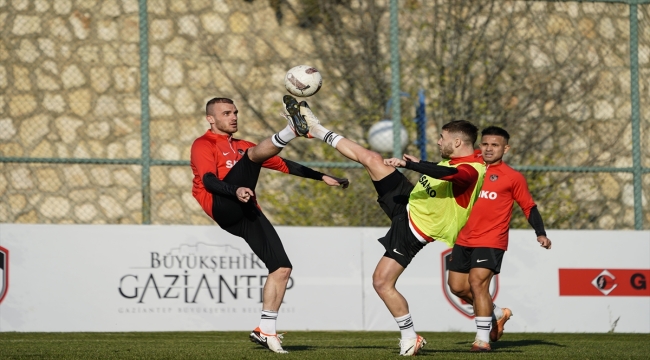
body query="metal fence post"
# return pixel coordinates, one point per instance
(636, 130)
(145, 116)
(395, 80)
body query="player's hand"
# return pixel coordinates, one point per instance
(244, 194)
(394, 162)
(544, 242)
(333, 181)
(410, 158)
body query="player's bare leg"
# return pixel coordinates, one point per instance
(275, 287)
(273, 293)
(383, 280)
(459, 286)
(263, 151)
(479, 282)
(272, 146)
(372, 161)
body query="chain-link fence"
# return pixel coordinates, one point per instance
(100, 101)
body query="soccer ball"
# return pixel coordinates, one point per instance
(380, 136)
(303, 81)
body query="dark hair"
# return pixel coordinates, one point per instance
(464, 127)
(495, 130)
(209, 105)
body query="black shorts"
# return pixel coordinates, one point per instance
(463, 259)
(393, 193)
(400, 243)
(246, 220)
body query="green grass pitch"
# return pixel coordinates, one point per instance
(315, 345)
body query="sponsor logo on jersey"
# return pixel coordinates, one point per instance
(487, 195)
(425, 183)
(458, 303)
(230, 163)
(604, 282)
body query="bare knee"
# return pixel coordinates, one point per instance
(478, 285)
(281, 274)
(371, 159)
(459, 290)
(381, 284)
(458, 284)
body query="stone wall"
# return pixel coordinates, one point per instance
(70, 85)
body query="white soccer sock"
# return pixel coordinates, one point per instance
(497, 313)
(406, 327)
(483, 324)
(320, 132)
(267, 323)
(282, 138)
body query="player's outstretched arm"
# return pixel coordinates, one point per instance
(302, 171)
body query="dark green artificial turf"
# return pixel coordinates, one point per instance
(315, 345)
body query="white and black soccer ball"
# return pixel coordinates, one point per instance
(303, 81)
(380, 136)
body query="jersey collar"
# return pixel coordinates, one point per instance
(475, 157)
(212, 135)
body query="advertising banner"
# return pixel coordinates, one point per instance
(200, 278)
(164, 278)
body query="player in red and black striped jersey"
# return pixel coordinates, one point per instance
(479, 249)
(226, 171)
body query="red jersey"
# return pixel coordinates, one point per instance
(489, 221)
(218, 154)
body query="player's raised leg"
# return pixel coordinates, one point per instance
(372, 161)
(269, 147)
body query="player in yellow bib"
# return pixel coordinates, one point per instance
(442, 218)
(434, 209)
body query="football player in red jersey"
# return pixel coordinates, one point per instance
(476, 257)
(226, 170)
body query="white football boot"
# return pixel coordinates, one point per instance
(410, 347)
(271, 342)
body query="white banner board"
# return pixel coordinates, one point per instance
(187, 278)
